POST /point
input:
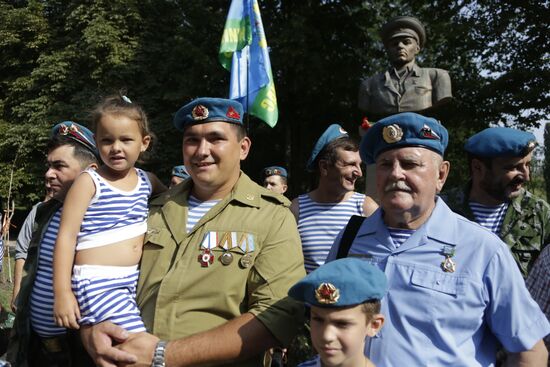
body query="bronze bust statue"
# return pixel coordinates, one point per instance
(404, 87)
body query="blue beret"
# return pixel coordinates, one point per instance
(501, 141)
(403, 130)
(78, 133)
(202, 110)
(340, 283)
(275, 170)
(333, 132)
(180, 171)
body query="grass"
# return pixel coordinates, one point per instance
(6, 287)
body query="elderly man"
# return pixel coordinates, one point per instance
(323, 212)
(36, 339)
(220, 255)
(495, 197)
(404, 86)
(454, 291)
(275, 179)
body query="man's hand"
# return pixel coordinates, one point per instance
(141, 345)
(99, 339)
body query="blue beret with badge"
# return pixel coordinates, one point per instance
(406, 129)
(203, 110)
(501, 141)
(78, 133)
(180, 171)
(333, 132)
(275, 170)
(341, 283)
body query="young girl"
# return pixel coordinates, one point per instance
(344, 299)
(103, 223)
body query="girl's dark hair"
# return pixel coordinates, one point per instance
(122, 106)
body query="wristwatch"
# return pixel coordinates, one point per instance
(158, 357)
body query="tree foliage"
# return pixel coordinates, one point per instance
(58, 58)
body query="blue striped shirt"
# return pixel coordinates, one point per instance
(320, 223)
(314, 362)
(400, 235)
(111, 210)
(490, 217)
(42, 291)
(197, 209)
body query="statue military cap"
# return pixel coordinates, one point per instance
(78, 133)
(275, 170)
(203, 110)
(404, 26)
(406, 129)
(501, 141)
(180, 171)
(333, 132)
(341, 283)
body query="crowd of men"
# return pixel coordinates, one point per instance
(215, 274)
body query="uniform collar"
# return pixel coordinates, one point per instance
(440, 226)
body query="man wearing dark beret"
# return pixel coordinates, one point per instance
(36, 340)
(219, 257)
(404, 86)
(495, 196)
(454, 291)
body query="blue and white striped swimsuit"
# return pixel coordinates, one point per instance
(320, 223)
(108, 292)
(42, 290)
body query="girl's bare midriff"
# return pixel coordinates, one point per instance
(123, 253)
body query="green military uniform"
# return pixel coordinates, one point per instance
(180, 296)
(526, 225)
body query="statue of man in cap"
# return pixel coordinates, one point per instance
(404, 87)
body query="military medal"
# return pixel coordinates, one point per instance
(448, 265)
(246, 243)
(206, 258)
(226, 258)
(246, 261)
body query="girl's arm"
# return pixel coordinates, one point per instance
(157, 186)
(79, 196)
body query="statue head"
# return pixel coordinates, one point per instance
(403, 38)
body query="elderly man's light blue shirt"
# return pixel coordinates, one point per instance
(438, 318)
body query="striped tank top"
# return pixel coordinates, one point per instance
(42, 291)
(320, 223)
(114, 215)
(490, 217)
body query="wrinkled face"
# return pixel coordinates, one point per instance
(119, 141)
(275, 183)
(345, 171)
(63, 168)
(339, 335)
(407, 181)
(506, 177)
(212, 154)
(402, 50)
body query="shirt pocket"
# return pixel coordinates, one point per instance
(423, 90)
(440, 283)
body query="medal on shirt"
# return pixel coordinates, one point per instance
(448, 265)
(206, 257)
(246, 243)
(227, 243)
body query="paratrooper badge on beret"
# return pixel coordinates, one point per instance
(203, 110)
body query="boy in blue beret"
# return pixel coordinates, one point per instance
(495, 196)
(344, 299)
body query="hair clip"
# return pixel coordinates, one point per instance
(126, 99)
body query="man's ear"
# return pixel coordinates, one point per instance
(323, 167)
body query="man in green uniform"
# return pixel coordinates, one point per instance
(495, 197)
(220, 254)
